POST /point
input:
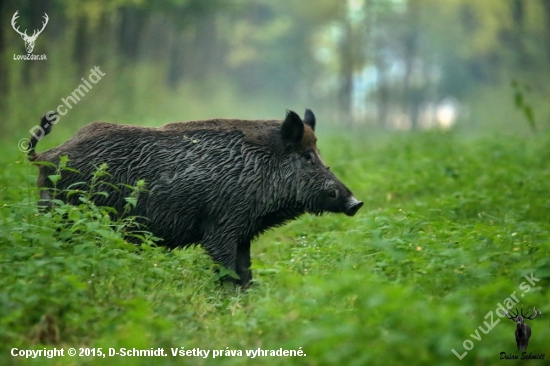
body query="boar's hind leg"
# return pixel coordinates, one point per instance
(45, 201)
(46, 188)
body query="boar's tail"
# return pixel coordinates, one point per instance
(37, 132)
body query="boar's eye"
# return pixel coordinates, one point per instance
(308, 156)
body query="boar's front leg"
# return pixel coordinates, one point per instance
(243, 263)
(231, 253)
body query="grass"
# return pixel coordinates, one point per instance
(449, 229)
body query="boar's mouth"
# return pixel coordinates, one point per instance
(350, 208)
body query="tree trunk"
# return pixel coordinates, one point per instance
(546, 6)
(3, 57)
(346, 73)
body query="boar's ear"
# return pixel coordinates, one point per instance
(309, 119)
(293, 128)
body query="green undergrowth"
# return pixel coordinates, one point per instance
(449, 229)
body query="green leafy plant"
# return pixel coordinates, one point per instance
(449, 228)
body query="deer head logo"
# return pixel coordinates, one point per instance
(29, 40)
(523, 330)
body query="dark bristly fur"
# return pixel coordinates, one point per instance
(218, 182)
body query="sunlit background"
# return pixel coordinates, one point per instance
(378, 64)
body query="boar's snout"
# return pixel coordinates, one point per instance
(337, 198)
(353, 206)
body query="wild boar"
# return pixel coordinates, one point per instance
(218, 183)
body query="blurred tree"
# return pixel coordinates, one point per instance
(347, 65)
(4, 14)
(546, 32)
(412, 60)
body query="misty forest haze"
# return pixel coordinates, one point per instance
(390, 64)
